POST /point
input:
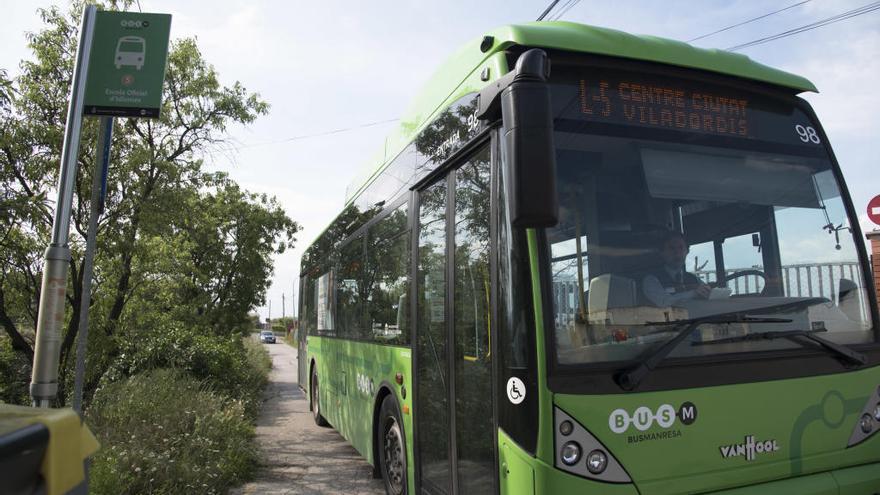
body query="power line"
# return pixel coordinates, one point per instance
(748, 21)
(552, 17)
(565, 8)
(547, 10)
(319, 134)
(571, 3)
(808, 27)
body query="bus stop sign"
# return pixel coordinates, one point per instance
(874, 209)
(127, 64)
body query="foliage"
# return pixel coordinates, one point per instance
(12, 366)
(259, 360)
(254, 323)
(232, 365)
(165, 432)
(180, 249)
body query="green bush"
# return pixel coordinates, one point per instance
(259, 361)
(228, 363)
(15, 374)
(164, 431)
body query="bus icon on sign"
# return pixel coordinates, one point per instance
(130, 51)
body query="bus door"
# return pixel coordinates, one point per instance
(454, 410)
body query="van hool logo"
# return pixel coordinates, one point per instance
(642, 418)
(749, 449)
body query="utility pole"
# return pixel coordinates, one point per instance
(47, 352)
(96, 206)
(282, 306)
(270, 312)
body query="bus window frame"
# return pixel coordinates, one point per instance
(362, 231)
(722, 369)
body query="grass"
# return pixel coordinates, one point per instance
(235, 366)
(168, 431)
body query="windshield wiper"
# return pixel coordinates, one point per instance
(630, 378)
(833, 348)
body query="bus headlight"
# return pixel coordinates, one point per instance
(866, 423)
(571, 453)
(580, 453)
(597, 461)
(566, 427)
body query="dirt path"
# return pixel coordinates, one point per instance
(297, 455)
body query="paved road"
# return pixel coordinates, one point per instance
(297, 455)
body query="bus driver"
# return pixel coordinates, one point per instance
(670, 283)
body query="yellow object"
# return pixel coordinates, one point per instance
(70, 443)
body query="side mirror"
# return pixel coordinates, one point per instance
(528, 152)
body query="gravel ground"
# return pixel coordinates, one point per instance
(297, 455)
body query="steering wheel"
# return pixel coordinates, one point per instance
(741, 273)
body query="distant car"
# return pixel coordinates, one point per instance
(267, 337)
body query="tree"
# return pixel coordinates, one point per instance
(174, 240)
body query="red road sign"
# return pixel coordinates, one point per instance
(874, 210)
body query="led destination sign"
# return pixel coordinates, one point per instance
(583, 95)
(664, 106)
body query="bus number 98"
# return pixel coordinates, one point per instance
(807, 134)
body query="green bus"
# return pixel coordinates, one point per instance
(592, 262)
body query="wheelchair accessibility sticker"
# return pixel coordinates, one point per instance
(516, 390)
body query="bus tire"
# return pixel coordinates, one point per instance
(315, 401)
(392, 447)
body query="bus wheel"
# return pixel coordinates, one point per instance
(315, 401)
(392, 455)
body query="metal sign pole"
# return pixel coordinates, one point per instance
(96, 203)
(44, 379)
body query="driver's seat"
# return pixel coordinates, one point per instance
(610, 296)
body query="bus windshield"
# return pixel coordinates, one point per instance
(682, 200)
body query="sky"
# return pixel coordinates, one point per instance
(325, 66)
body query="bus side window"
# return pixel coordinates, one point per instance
(386, 279)
(350, 291)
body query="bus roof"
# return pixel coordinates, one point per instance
(602, 41)
(568, 36)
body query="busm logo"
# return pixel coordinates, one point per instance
(749, 448)
(642, 418)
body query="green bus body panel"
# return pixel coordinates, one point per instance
(860, 480)
(811, 420)
(817, 484)
(345, 370)
(516, 474)
(544, 446)
(521, 474)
